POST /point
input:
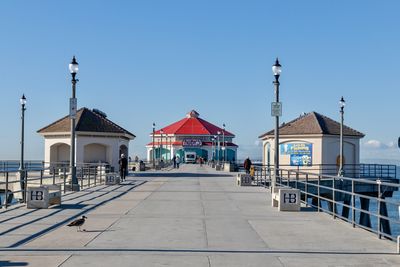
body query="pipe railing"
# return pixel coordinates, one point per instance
(346, 193)
(15, 191)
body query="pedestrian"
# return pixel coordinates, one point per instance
(174, 160)
(247, 165)
(123, 164)
(178, 160)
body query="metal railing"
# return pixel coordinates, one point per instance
(13, 190)
(365, 203)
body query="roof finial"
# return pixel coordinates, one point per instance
(192, 114)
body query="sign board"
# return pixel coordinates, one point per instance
(191, 142)
(300, 153)
(276, 109)
(72, 107)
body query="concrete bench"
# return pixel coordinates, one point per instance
(41, 197)
(112, 178)
(244, 179)
(286, 199)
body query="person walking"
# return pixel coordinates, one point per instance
(247, 165)
(123, 164)
(178, 160)
(174, 160)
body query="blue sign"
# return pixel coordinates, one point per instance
(300, 153)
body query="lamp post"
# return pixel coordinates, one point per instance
(212, 148)
(21, 163)
(73, 68)
(161, 133)
(223, 142)
(341, 104)
(219, 146)
(276, 111)
(154, 154)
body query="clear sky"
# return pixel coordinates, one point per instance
(145, 61)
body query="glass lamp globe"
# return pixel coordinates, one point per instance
(73, 66)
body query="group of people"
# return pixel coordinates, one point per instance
(176, 160)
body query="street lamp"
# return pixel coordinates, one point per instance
(73, 68)
(219, 146)
(212, 148)
(161, 132)
(277, 111)
(154, 130)
(21, 164)
(223, 142)
(342, 103)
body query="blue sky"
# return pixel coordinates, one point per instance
(145, 61)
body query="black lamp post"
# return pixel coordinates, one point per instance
(73, 68)
(276, 70)
(21, 163)
(161, 147)
(223, 142)
(154, 154)
(342, 103)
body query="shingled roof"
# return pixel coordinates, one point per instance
(86, 121)
(313, 123)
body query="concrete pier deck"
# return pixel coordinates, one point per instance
(193, 216)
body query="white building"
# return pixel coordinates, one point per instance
(97, 139)
(312, 143)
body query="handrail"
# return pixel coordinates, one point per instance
(88, 175)
(345, 192)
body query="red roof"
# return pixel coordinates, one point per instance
(193, 125)
(179, 143)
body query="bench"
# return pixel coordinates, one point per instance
(112, 178)
(286, 198)
(41, 197)
(243, 179)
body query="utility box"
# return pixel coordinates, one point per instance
(244, 179)
(41, 197)
(112, 178)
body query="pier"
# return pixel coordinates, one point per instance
(192, 216)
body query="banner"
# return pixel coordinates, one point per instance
(300, 153)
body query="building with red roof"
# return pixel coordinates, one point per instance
(192, 134)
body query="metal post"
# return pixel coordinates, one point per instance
(218, 145)
(276, 111)
(223, 143)
(21, 164)
(341, 171)
(154, 153)
(161, 145)
(73, 102)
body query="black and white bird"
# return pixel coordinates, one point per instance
(78, 223)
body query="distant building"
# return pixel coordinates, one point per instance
(312, 141)
(192, 134)
(97, 139)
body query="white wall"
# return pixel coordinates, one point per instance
(109, 151)
(325, 150)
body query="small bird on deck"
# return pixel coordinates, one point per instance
(78, 223)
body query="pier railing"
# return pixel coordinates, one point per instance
(366, 203)
(13, 189)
